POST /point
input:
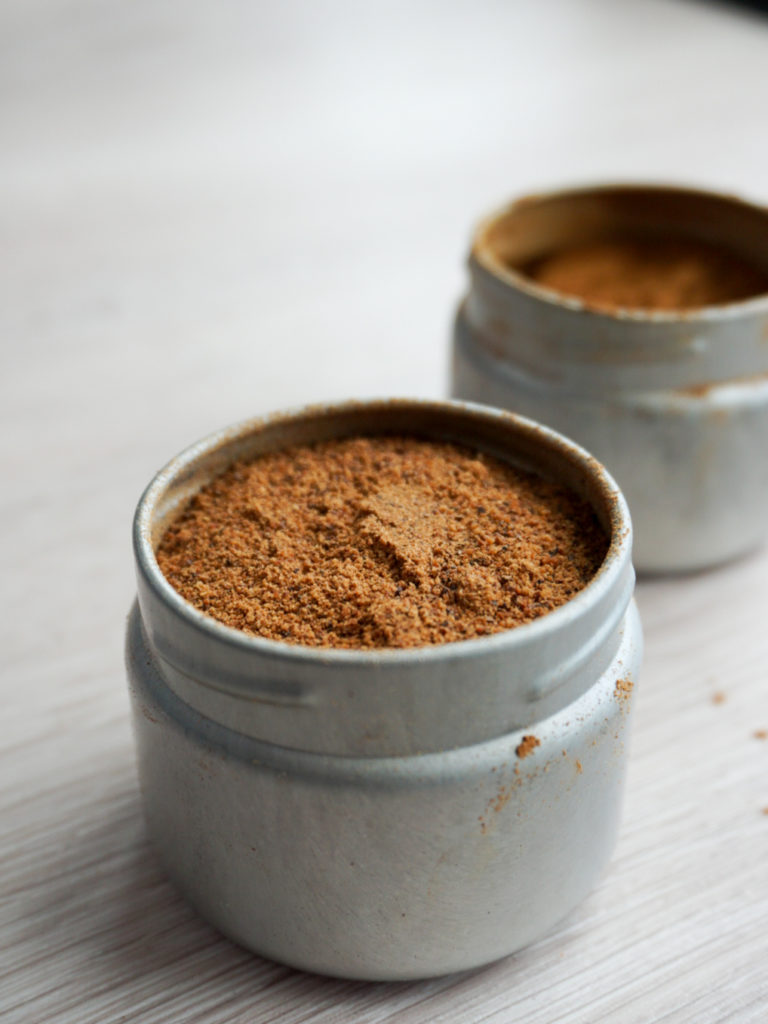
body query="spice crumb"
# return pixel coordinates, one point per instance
(579, 768)
(527, 746)
(718, 697)
(623, 689)
(760, 734)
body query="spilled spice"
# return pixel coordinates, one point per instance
(623, 689)
(760, 734)
(384, 541)
(527, 746)
(651, 274)
(718, 697)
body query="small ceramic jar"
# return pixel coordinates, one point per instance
(675, 404)
(385, 814)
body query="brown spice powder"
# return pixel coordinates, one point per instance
(623, 689)
(662, 274)
(376, 542)
(527, 746)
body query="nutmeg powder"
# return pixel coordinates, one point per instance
(376, 542)
(652, 274)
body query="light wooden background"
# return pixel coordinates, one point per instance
(212, 210)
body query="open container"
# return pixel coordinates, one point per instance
(675, 404)
(385, 814)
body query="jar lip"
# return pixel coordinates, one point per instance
(483, 254)
(616, 557)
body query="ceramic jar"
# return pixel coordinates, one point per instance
(385, 814)
(675, 404)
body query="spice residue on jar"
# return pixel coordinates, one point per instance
(527, 746)
(652, 274)
(374, 542)
(623, 689)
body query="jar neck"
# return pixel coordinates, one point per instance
(393, 703)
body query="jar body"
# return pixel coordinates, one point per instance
(675, 404)
(385, 814)
(384, 868)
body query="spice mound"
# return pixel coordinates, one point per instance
(661, 274)
(372, 542)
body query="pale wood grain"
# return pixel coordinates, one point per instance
(208, 211)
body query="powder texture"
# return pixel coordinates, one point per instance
(380, 542)
(661, 274)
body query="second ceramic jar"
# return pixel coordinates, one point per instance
(674, 403)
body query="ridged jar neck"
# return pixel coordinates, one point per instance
(590, 349)
(390, 702)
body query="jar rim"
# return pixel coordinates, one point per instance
(614, 514)
(484, 255)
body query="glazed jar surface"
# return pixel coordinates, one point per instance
(674, 404)
(385, 814)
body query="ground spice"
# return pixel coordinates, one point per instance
(623, 689)
(658, 274)
(527, 746)
(380, 542)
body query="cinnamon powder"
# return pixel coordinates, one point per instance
(659, 274)
(375, 542)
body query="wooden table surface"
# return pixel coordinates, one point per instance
(213, 210)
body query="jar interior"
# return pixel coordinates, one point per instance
(534, 228)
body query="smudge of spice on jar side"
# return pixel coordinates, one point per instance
(623, 689)
(527, 746)
(376, 542)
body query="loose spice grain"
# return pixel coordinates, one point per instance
(658, 274)
(527, 746)
(374, 542)
(623, 689)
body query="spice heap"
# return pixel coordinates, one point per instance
(660, 274)
(384, 541)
